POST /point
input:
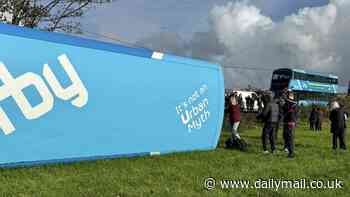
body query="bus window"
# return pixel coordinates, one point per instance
(315, 78)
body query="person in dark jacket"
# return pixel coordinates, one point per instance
(234, 116)
(338, 125)
(240, 101)
(312, 119)
(247, 103)
(289, 122)
(270, 117)
(319, 119)
(280, 102)
(260, 103)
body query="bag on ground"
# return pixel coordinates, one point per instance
(236, 143)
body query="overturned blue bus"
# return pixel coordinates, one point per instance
(309, 88)
(66, 99)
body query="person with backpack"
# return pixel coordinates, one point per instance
(290, 108)
(270, 116)
(338, 125)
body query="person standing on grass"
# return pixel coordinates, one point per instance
(240, 101)
(280, 103)
(289, 122)
(234, 116)
(247, 103)
(270, 117)
(319, 119)
(338, 125)
(312, 119)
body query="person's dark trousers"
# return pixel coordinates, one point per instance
(312, 126)
(276, 131)
(284, 138)
(319, 126)
(340, 135)
(269, 134)
(289, 134)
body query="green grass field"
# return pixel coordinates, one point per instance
(183, 174)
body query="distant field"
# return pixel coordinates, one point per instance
(183, 174)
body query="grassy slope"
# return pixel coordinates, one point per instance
(182, 174)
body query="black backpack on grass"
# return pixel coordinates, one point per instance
(236, 143)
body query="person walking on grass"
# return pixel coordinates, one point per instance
(289, 122)
(338, 125)
(270, 116)
(234, 116)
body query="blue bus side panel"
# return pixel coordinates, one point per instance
(309, 86)
(312, 86)
(136, 105)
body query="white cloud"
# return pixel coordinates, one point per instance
(240, 19)
(312, 38)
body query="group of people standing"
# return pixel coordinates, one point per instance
(255, 98)
(275, 111)
(316, 119)
(279, 110)
(338, 117)
(284, 110)
(249, 102)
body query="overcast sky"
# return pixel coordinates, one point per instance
(309, 34)
(133, 20)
